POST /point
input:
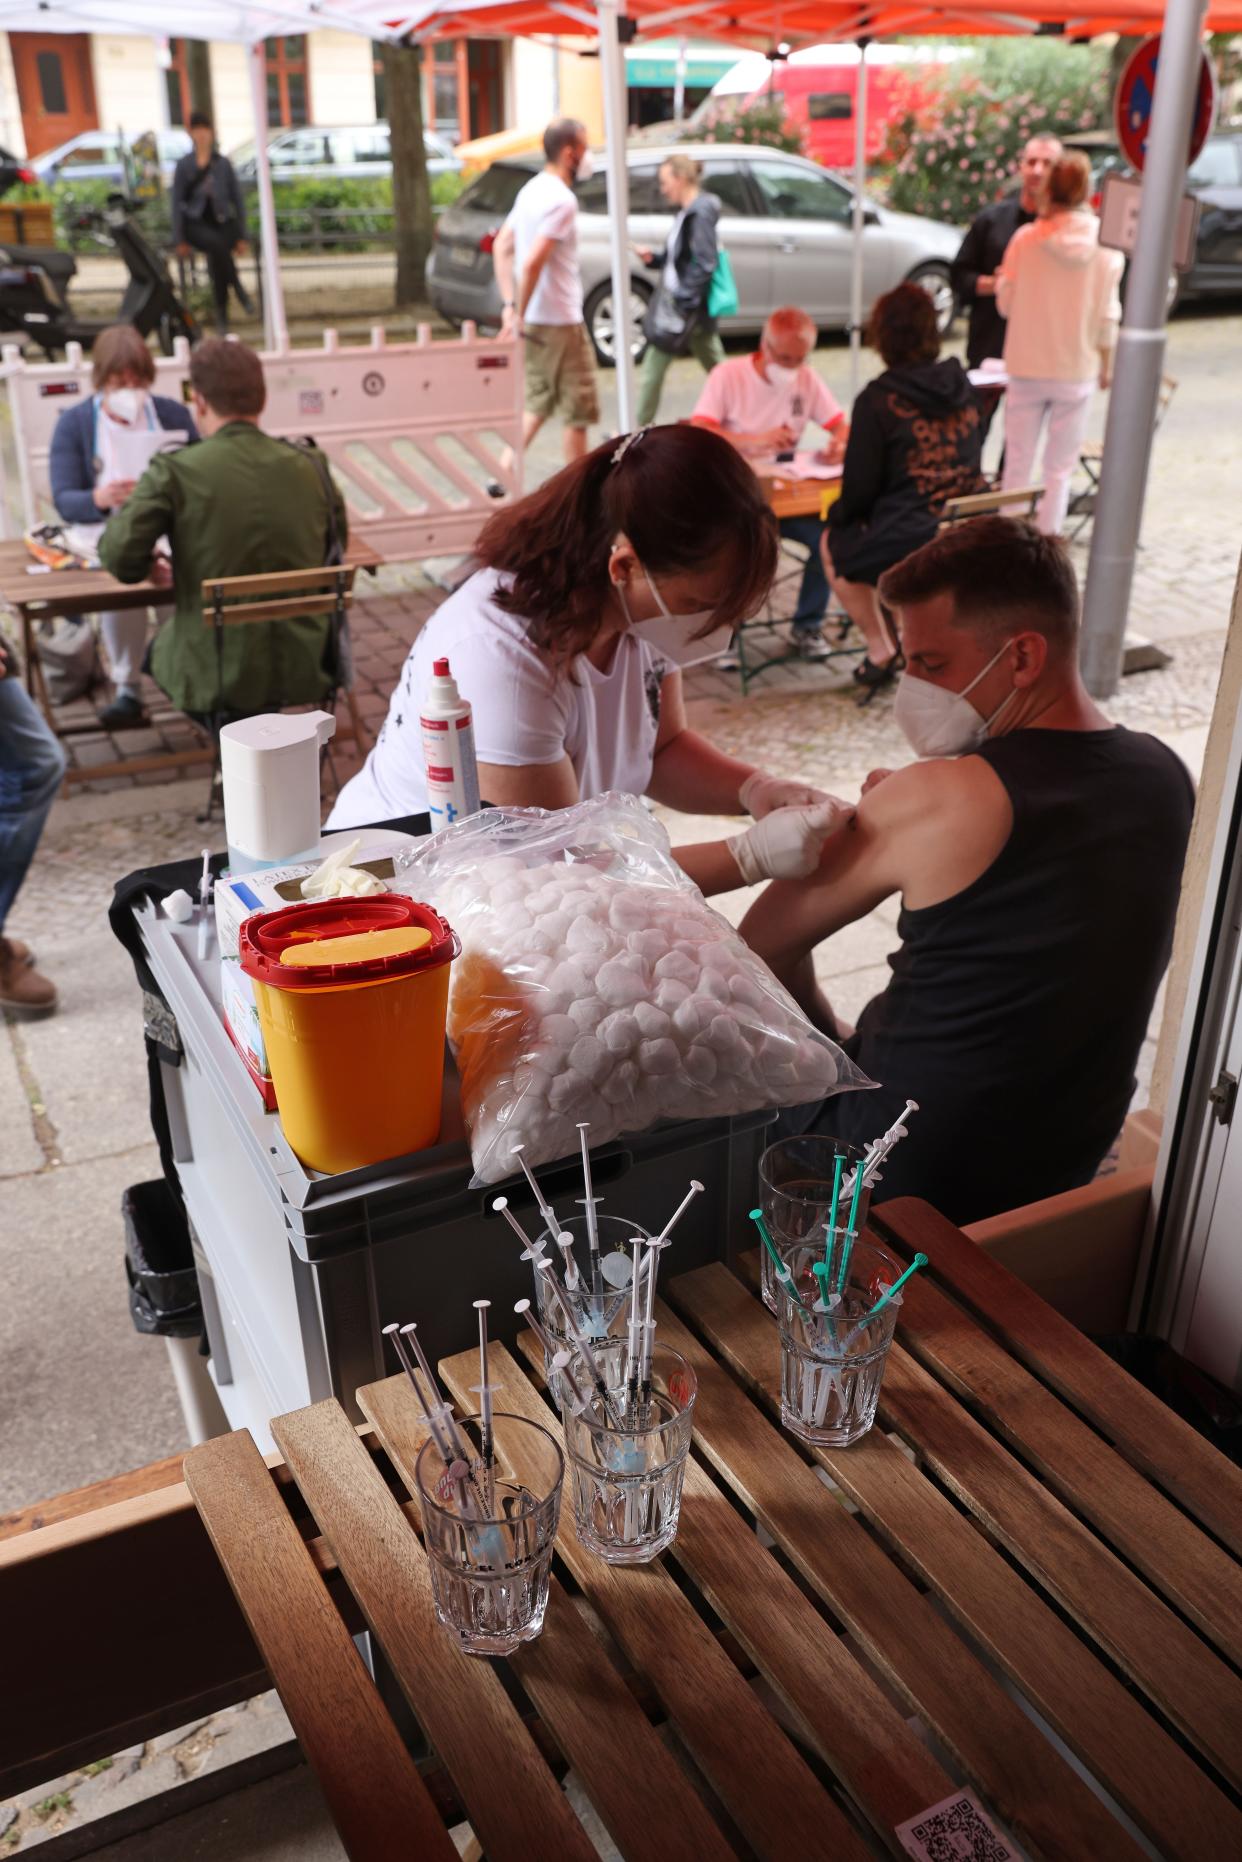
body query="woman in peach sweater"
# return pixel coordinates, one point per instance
(1058, 289)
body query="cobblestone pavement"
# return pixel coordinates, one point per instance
(73, 1113)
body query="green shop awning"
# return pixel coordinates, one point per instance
(657, 69)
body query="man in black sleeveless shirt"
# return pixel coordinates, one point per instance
(1038, 853)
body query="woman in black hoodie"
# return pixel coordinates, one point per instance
(916, 435)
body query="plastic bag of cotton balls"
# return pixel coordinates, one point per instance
(596, 984)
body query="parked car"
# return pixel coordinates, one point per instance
(785, 222)
(99, 155)
(352, 152)
(1216, 177)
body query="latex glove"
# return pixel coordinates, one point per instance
(761, 793)
(788, 843)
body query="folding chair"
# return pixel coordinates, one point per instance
(1021, 501)
(286, 595)
(1091, 459)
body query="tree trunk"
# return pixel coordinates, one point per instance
(411, 190)
(198, 71)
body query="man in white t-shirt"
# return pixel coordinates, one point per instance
(536, 262)
(763, 402)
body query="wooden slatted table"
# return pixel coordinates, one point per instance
(1024, 1582)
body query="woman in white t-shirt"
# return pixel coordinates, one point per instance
(590, 593)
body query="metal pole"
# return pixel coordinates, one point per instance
(860, 183)
(1140, 353)
(612, 67)
(276, 335)
(679, 82)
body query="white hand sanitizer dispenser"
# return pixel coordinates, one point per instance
(270, 766)
(448, 750)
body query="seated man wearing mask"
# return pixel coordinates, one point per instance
(762, 403)
(1037, 850)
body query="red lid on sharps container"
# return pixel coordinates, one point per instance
(267, 942)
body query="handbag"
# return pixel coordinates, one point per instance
(666, 326)
(722, 297)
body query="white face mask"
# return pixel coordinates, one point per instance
(125, 404)
(779, 376)
(585, 168)
(671, 633)
(936, 722)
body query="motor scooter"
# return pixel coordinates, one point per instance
(34, 287)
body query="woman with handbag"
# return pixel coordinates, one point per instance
(678, 322)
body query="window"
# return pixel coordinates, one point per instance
(1216, 166)
(496, 189)
(645, 195)
(730, 187)
(364, 146)
(307, 149)
(52, 83)
(288, 87)
(791, 193)
(830, 106)
(92, 154)
(445, 110)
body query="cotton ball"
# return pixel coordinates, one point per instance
(693, 1017)
(533, 971)
(653, 1023)
(500, 867)
(618, 985)
(543, 899)
(565, 1092)
(670, 994)
(659, 1056)
(694, 930)
(589, 1057)
(585, 900)
(553, 925)
(747, 991)
(627, 913)
(586, 1014)
(538, 944)
(719, 957)
(713, 984)
(724, 1037)
(700, 1065)
(650, 944)
(675, 966)
(619, 1032)
(587, 936)
(619, 1086)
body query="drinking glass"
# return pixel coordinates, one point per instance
(601, 1315)
(832, 1363)
(795, 1195)
(626, 1482)
(490, 1533)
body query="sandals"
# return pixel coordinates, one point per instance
(873, 678)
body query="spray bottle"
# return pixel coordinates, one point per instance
(448, 751)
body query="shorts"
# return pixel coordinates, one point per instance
(560, 373)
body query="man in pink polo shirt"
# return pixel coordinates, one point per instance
(763, 402)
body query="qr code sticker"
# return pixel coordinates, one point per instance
(955, 1830)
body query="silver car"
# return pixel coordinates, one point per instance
(361, 152)
(785, 221)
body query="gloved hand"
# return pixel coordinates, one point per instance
(788, 843)
(761, 793)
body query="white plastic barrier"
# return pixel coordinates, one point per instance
(415, 432)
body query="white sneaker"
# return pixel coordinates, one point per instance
(811, 646)
(728, 662)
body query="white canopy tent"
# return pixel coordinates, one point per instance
(239, 24)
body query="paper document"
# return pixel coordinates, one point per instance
(83, 540)
(989, 376)
(805, 465)
(133, 448)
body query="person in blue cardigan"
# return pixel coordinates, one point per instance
(87, 486)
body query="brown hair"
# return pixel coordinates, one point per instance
(118, 349)
(683, 166)
(1004, 576)
(681, 494)
(229, 376)
(561, 134)
(1068, 180)
(902, 326)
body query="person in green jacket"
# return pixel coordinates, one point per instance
(237, 503)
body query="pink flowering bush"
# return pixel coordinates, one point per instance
(732, 119)
(954, 140)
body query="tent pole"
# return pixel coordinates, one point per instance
(275, 333)
(1140, 354)
(612, 65)
(856, 256)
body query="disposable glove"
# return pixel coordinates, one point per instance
(788, 843)
(761, 793)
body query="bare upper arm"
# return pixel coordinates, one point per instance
(529, 785)
(672, 709)
(926, 832)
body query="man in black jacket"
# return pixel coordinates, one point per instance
(677, 322)
(209, 216)
(979, 256)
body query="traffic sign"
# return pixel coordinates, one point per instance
(1133, 98)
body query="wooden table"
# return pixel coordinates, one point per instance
(799, 497)
(35, 593)
(1025, 1525)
